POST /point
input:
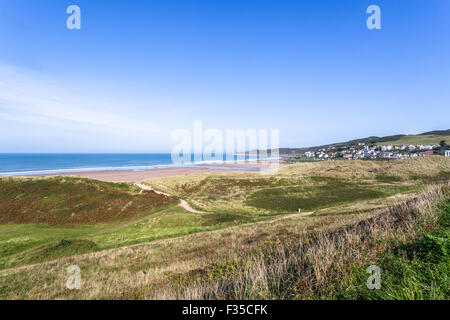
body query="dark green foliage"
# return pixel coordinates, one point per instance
(71, 200)
(433, 248)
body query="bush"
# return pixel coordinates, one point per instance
(433, 247)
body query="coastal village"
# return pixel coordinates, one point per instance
(362, 151)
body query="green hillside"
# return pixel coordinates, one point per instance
(431, 137)
(72, 200)
(418, 139)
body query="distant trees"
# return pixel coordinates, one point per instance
(443, 145)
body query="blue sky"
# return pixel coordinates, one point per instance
(137, 70)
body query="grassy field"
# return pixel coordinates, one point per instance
(48, 218)
(155, 245)
(418, 139)
(409, 242)
(309, 186)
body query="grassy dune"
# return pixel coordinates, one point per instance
(48, 218)
(71, 200)
(42, 219)
(309, 186)
(167, 252)
(409, 242)
(190, 265)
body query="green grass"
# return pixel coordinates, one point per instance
(315, 249)
(22, 244)
(418, 139)
(36, 226)
(19, 240)
(410, 243)
(45, 231)
(60, 249)
(175, 223)
(417, 270)
(320, 196)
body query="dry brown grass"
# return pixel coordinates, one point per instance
(310, 186)
(310, 266)
(157, 270)
(413, 168)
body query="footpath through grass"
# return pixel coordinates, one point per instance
(310, 186)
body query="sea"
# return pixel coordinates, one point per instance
(17, 164)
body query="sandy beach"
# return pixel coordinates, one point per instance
(137, 176)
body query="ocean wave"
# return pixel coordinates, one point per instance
(200, 164)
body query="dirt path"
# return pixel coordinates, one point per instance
(182, 204)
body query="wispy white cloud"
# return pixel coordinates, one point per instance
(30, 97)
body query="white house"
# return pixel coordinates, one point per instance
(422, 147)
(446, 153)
(385, 155)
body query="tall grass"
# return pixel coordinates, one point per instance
(321, 265)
